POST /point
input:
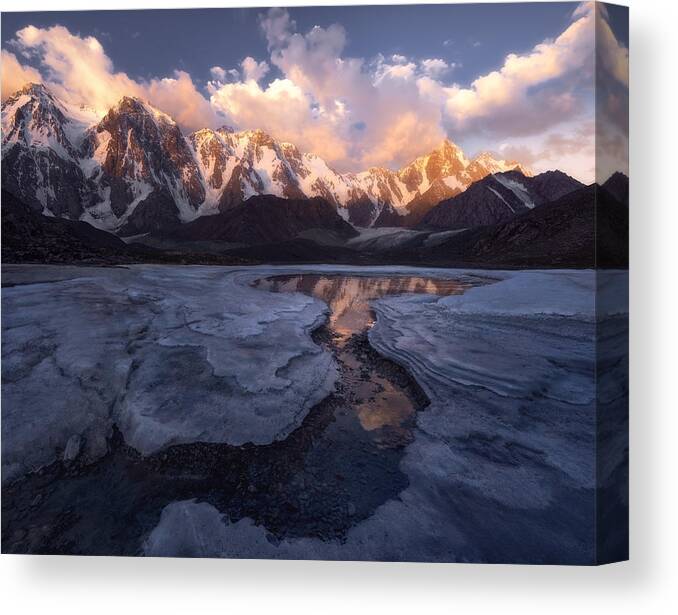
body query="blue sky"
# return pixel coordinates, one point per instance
(370, 85)
(148, 43)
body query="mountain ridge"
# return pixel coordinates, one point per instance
(132, 170)
(498, 198)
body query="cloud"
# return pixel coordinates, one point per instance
(253, 70)
(530, 91)
(352, 113)
(435, 67)
(178, 96)
(15, 75)
(218, 73)
(612, 100)
(403, 104)
(78, 70)
(571, 149)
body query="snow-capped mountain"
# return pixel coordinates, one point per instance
(144, 170)
(40, 160)
(133, 171)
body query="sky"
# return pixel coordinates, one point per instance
(359, 86)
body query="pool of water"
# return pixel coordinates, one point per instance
(380, 403)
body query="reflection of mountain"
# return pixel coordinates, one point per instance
(132, 171)
(348, 297)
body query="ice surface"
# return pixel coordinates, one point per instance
(502, 464)
(169, 354)
(501, 467)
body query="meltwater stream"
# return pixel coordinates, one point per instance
(334, 470)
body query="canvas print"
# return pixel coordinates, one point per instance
(334, 283)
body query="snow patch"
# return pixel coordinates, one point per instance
(517, 188)
(503, 200)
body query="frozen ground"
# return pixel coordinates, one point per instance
(501, 466)
(138, 346)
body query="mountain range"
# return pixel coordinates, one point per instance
(74, 182)
(132, 171)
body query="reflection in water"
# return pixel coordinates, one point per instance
(349, 296)
(380, 404)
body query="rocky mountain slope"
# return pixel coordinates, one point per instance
(498, 198)
(28, 236)
(144, 170)
(265, 219)
(618, 185)
(587, 227)
(133, 171)
(40, 158)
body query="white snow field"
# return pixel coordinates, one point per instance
(501, 467)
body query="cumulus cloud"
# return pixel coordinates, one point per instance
(218, 73)
(351, 112)
(435, 67)
(612, 101)
(403, 105)
(15, 75)
(253, 70)
(542, 86)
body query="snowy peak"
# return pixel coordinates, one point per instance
(33, 117)
(212, 155)
(132, 106)
(486, 164)
(143, 168)
(238, 165)
(442, 174)
(40, 140)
